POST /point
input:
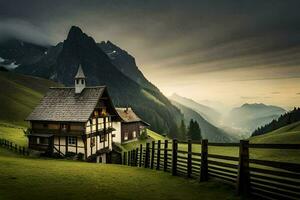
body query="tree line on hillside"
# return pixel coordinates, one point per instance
(192, 132)
(283, 120)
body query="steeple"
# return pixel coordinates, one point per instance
(79, 80)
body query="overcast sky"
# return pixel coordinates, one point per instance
(231, 51)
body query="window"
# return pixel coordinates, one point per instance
(45, 125)
(37, 140)
(72, 140)
(103, 111)
(134, 134)
(64, 127)
(103, 138)
(77, 81)
(82, 81)
(125, 136)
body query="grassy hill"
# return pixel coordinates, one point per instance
(61, 179)
(19, 95)
(287, 134)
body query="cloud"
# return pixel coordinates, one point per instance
(23, 30)
(249, 97)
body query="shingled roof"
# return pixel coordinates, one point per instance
(62, 104)
(127, 115)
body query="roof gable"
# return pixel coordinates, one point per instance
(127, 115)
(63, 104)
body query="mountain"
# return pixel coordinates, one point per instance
(284, 120)
(208, 131)
(14, 52)
(126, 64)
(208, 113)
(60, 63)
(288, 134)
(250, 116)
(19, 95)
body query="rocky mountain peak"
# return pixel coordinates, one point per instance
(75, 33)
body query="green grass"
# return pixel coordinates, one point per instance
(29, 178)
(19, 95)
(13, 133)
(136, 144)
(155, 135)
(286, 135)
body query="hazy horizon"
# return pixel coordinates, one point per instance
(230, 52)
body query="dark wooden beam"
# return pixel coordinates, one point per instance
(76, 145)
(66, 138)
(58, 143)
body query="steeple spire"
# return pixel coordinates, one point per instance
(79, 80)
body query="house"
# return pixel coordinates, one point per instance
(74, 120)
(130, 127)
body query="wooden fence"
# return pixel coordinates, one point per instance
(260, 178)
(14, 147)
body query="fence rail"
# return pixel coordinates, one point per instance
(263, 178)
(14, 147)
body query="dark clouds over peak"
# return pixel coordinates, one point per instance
(192, 37)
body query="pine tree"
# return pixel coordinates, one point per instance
(194, 131)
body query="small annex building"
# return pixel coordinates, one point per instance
(76, 120)
(130, 127)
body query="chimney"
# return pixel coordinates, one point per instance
(79, 80)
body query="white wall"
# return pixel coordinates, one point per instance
(117, 132)
(71, 148)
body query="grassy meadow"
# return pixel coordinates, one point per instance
(19, 95)
(60, 179)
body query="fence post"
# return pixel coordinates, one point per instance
(130, 153)
(128, 158)
(141, 155)
(125, 158)
(204, 163)
(136, 157)
(11, 146)
(174, 157)
(152, 154)
(133, 157)
(147, 156)
(23, 151)
(166, 156)
(16, 147)
(189, 159)
(243, 179)
(158, 155)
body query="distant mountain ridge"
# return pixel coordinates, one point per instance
(250, 116)
(208, 113)
(127, 85)
(208, 131)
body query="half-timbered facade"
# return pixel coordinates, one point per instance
(130, 127)
(74, 120)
